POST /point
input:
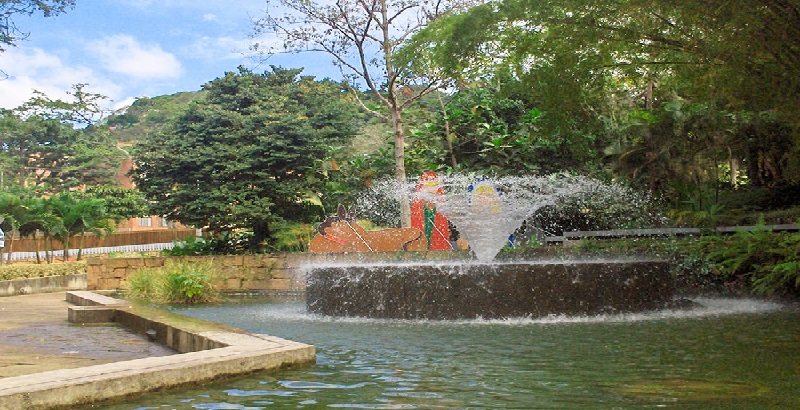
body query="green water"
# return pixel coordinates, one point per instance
(730, 354)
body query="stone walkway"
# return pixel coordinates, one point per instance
(35, 336)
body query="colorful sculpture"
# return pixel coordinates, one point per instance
(424, 216)
(341, 233)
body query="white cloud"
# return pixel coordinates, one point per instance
(216, 48)
(127, 102)
(210, 17)
(34, 69)
(124, 55)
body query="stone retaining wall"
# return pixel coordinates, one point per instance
(260, 273)
(239, 272)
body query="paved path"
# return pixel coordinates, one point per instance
(35, 336)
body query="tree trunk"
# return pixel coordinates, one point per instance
(65, 257)
(80, 248)
(400, 167)
(37, 247)
(447, 137)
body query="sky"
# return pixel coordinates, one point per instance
(126, 49)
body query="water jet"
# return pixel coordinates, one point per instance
(486, 213)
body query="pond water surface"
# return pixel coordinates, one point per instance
(728, 354)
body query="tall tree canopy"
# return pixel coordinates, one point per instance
(41, 148)
(362, 36)
(676, 93)
(244, 157)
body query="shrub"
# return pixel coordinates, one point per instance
(192, 246)
(767, 262)
(177, 282)
(26, 270)
(226, 243)
(144, 283)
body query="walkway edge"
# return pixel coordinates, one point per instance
(242, 353)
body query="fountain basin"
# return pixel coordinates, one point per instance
(489, 291)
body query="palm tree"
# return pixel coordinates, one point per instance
(77, 216)
(36, 218)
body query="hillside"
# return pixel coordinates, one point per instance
(148, 115)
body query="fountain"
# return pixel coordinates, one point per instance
(486, 213)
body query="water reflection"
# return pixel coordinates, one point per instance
(729, 354)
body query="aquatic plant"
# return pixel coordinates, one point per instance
(177, 282)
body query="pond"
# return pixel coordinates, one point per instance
(727, 354)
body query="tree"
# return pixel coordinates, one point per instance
(41, 147)
(84, 109)
(10, 34)
(243, 158)
(77, 215)
(37, 218)
(362, 36)
(121, 203)
(677, 92)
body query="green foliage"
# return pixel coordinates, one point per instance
(177, 282)
(766, 262)
(40, 147)
(145, 283)
(243, 158)
(147, 116)
(77, 214)
(758, 261)
(192, 246)
(120, 203)
(27, 270)
(293, 237)
(689, 100)
(226, 243)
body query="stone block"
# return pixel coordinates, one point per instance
(114, 263)
(232, 284)
(112, 283)
(279, 284)
(90, 314)
(254, 261)
(136, 262)
(283, 273)
(256, 284)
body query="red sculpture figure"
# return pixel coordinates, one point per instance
(424, 215)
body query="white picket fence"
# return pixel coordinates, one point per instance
(149, 247)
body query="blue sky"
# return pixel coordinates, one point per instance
(126, 49)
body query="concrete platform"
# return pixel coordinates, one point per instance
(212, 351)
(35, 336)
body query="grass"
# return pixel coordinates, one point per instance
(177, 282)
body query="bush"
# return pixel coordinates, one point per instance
(764, 261)
(192, 246)
(26, 270)
(757, 261)
(226, 243)
(177, 282)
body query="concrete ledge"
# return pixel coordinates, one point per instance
(86, 298)
(42, 285)
(90, 314)
(214, 351)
